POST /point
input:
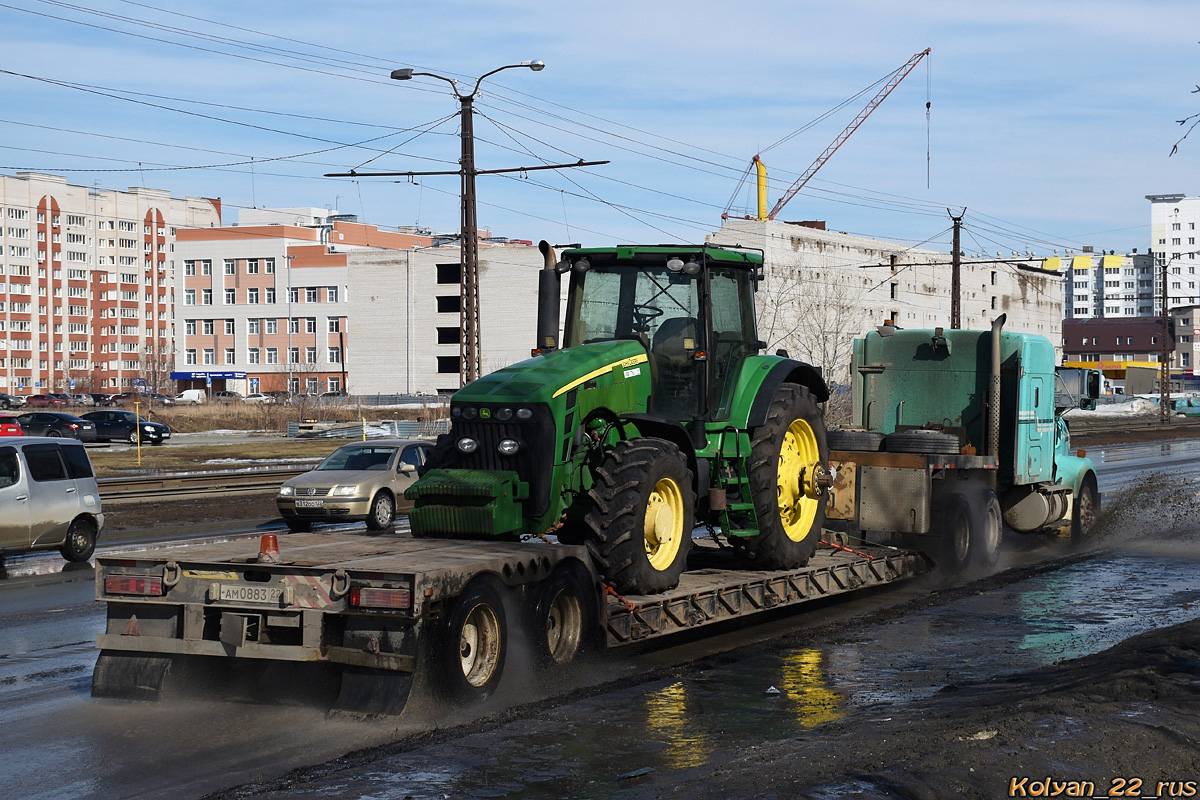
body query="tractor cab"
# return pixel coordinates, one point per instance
(692, 310)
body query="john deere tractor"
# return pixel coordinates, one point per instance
(656, 415)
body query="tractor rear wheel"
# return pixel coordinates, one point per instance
(642, 515)
(787, 457)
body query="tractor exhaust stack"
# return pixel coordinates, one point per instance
(549, 294)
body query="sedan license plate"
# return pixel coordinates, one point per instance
(240, 593)
(310, 504)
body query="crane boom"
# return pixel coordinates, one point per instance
(898, 76)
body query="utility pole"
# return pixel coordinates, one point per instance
(956, 272)
(470, 363)
(1164, 366)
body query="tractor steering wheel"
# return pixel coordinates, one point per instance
(642, 316)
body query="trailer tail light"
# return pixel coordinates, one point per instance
(133, 584)
(370, 597)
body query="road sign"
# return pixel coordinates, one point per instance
(208, 380)
(72, 383)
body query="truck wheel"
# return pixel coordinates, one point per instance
(955, 536)
(563, 615)
(298, 525)
(1085, 508)
(476, 642)
(382, 513)
(988, 532)
(642, 515)
(787, 454)
(81, 540)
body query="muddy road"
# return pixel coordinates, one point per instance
(924, 691)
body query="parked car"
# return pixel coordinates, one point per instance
(127, 427)
(260, 398)
(57, 423)
(332, 398)
(44, 401)
(226, 397)
(102, 400)
(10, 427)
(160, 398)
(280, 395)
(11, 400)
(50, 499)
(190, 397)
(358, 481)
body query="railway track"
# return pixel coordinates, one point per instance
(1079, 428)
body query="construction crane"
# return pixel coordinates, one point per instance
(897, 76)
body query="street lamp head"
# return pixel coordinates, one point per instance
(402, 74)
(536, 66)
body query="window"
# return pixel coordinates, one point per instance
(310, 355)
(206, 297)
(293, 355)
(189, 297)
(294, 325)
(252, 326)
(230, 296)
(270, 295)
(229, 327)
(189, 267)
(210, 356)
(229, 355)
(447, 365)
(189, 356)
(252, 296)
(335, 355)
(293, 295)
(207, 326)
(272, 326)
(334, 323)
(310, 324)
(230, 266)
(331, 294)
(449, 273)
(449, 304)
(206, 267)
(252, 356)
(189, 327)
(450, 335)
(45, 463)
(272, 355)
(252, 266)
(310, 295)
(269, 266)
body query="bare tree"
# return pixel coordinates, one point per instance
(813, 313)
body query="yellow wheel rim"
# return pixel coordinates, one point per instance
(799, 458)
(663, 526)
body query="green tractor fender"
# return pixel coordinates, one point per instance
(672, 431)
(759, 380)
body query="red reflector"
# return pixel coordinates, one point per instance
(368, 597)
(133, 584)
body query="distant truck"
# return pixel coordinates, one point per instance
(959, 436)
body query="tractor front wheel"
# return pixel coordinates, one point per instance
(788, 459)
(642, 515)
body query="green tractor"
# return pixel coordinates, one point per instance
(657, 415)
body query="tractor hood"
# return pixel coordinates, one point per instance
(544, 377)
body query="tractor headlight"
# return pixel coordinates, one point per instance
(455, 412)
(467, 445)
(524, 413)
(508, 447)
(503, 414)
(470, 412)
(286, 491)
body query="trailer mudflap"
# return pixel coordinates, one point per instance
(129, 676)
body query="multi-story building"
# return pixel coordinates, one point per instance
(85, 283)
(263, 305)
(1108, 285)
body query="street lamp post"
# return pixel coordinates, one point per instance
(470, 345)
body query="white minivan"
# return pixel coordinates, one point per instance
(193, 396)
(48, 498)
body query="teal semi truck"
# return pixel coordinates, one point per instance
(652, 473)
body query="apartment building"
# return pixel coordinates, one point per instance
(264, 305)
(86, 281)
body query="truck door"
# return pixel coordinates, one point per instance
(14, 502)
(1035, 421)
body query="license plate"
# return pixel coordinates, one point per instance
(240, 593)
(310, 504)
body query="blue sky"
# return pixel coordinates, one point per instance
(1050, 121)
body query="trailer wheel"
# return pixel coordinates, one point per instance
(298, 525)
(787, 455)
(383, 511)
(955, 534)
(988, 532)
(81, 540)
(922, 441)
(476, 642)
(563, 615)
(859, 441)
(642, 515)
(1085, 509)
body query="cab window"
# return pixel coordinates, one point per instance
(45, 463)
(10, 467)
